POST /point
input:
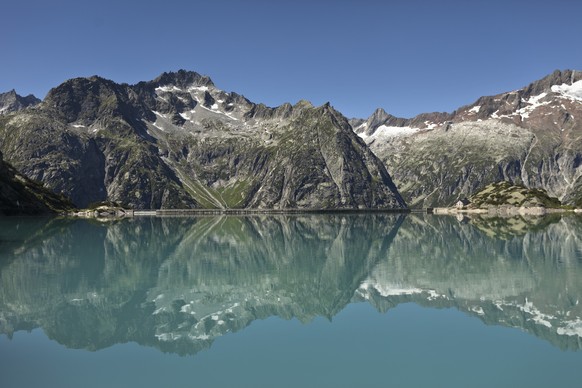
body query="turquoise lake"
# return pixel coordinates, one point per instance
(371, 300)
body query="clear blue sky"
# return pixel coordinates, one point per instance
(408, 56)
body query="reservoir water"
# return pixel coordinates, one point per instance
(373, 300)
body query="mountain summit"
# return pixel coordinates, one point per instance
(12, 102)
(531, 136)
(180, 142)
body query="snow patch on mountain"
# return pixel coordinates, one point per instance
(361, 128)
(384, 131)
(531, 104)
(573, 92)
(198, 88)
(430, 125)
(171, 88)
(535, 100)
(534, 103)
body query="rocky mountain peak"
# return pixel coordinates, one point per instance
(514, 106)
(180, 142)
(182, 79)
(377, 118)
(261, 111)
(303, 104)
(557, 78)
(375, 121)
(528, 136)
(86, 99)
(536, 103)
(12, 102)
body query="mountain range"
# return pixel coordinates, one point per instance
(180, 142)
(531, 136)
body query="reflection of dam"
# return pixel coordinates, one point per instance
(179, 283)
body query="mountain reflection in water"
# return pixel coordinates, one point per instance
(177, 284)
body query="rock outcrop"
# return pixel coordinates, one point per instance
(506, 194)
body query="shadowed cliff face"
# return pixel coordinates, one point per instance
(179, 283)
(21, 196)
(179, 142)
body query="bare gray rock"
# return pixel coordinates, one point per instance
(531, 136)
(179, 142)
(13, 102)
